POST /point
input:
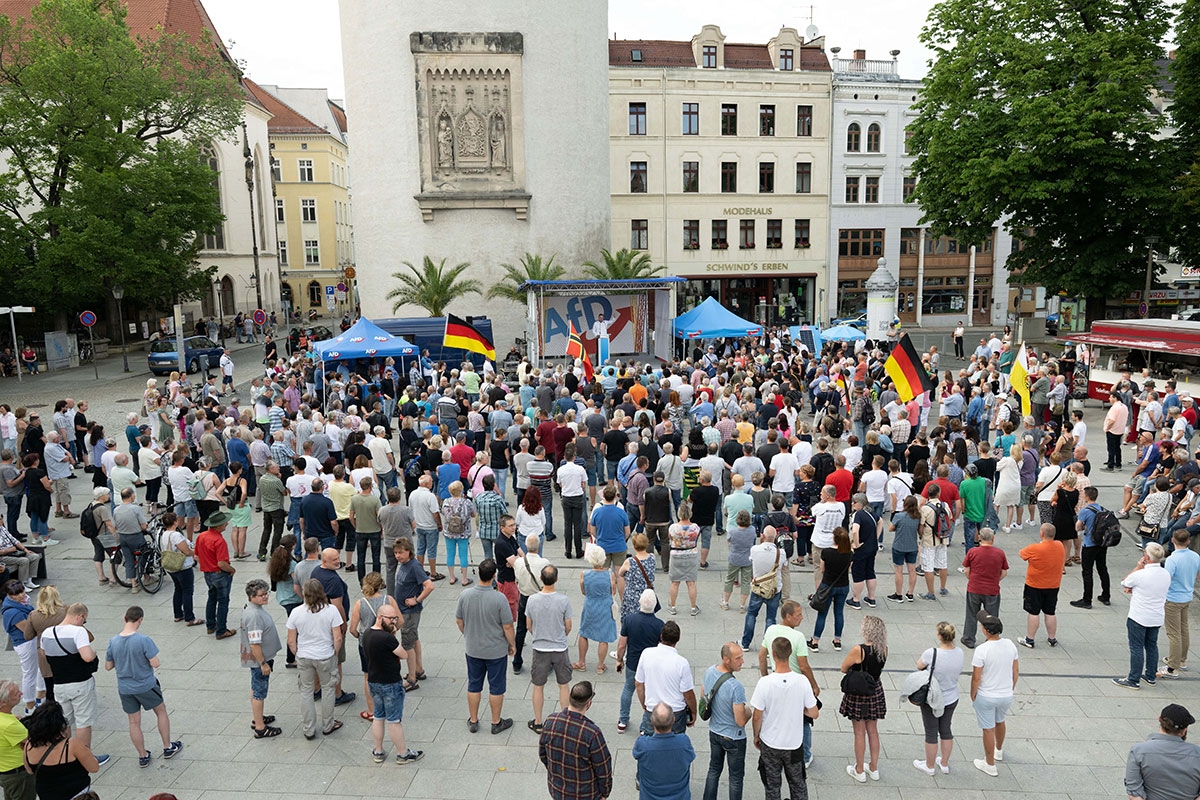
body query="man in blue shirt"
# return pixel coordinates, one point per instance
(639, 631)
(1094, 553)
(727, 725)
(1139, 485)
(135, 657)
(609, 527)
(1182, 565)
(318, 519)
(668, 758)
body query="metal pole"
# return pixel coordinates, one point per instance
(12, 323)
(253, 233)
(121, 322)
(1150, 242)
(92, 342)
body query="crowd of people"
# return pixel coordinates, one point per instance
(801, 461)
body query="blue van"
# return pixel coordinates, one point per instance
(427, 333)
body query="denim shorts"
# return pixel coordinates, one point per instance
(899, 558)
(186, 509)
(427, 542)
(989, 711)
(259, 683)
(389, 701)
(706, 536)
(493, 668)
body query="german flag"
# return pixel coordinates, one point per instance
(904, 368)
(462, 335)
(575, 349)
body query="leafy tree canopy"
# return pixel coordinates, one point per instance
(1038, 112)
(623, 265)
(102, 181)
(1185, 112)
(432, 286)
(531, 268)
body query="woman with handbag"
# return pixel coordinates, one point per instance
(235, 493)
(863, 701)
(635, 575)
(833, 589)
(945, 662)
(178, 561)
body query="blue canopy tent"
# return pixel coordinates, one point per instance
(711, 320)
(363, 339)
(843, 333)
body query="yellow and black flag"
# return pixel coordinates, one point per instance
(904, 368)
(463, 335)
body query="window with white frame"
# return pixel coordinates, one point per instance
(312, 252)
(306, 170)
(308, 210)
(279, 215)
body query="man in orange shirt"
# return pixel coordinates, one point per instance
(1043, 577)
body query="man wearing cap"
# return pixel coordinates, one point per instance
(213, 554)
(994, 673)
(1165, 766)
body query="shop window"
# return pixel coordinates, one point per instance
(856, 242)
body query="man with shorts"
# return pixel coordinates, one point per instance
(609, 528)
(548, 616)
(427, 519)
(994, 673)
(260, 643)
(72, 659)
(985, 566)
(485, 621)
(827, 515)
(383, 655)
(135, 657)
(933, 548)
(1043, 577)
(413, 585)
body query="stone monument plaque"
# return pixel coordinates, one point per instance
(469, 121)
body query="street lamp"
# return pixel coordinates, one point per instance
(1150, 242)
(250, 190)
(220, 311)
(118, 292)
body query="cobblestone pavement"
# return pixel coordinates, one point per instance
(1069, 730)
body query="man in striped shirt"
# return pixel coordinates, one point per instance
(541, 474)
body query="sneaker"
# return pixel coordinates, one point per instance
(1081, 604)
(808, 762)
(622, 727)
(998, 754)
(1168, 673)
(1128, 684)
(344, 698)
(872, 774)
(813, 646)
(30, 586)
(943, 592)
(919, 764)
(144, 761)
(695, 611)
(1005, 529)
(945, 768)
(671, 610)
(103, 759)
(1121, 515)
(920, 571)
(409, 757)
(986, 768)
(1052, 642)
(173, 750)
(724, 605)
(1033, 524)
(48, 542)
(857, 606)
(925, 596)
(962, 570)
(870, 601)
(837, 645)
(895, 598)
(1025, 641)
(378, 757)
(500, 727)
(861, 777)
(1150, 681)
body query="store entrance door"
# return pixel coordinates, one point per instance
(981, 306)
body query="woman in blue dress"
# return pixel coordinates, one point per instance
(596, 621)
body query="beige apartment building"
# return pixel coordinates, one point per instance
(720, 161)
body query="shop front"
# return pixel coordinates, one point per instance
(754, 291)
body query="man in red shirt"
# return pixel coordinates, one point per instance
(985, 566)
(544, 432)
(562, 435)
(213, 554)
(950, 496)
(462, 454)
(842, 480)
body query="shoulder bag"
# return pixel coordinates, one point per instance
(858, 682)
(707, 699)
(765, 585)
(820, 599)
(649, 583)
(172, 559)
(919, 697)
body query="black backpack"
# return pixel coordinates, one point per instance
(868, 414)
(1106, 529)
(88, 528)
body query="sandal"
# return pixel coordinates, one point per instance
(421, 676)
(411, 686)
(105, 581)
(534, 726)
(267, 732)
(194, 623)
(579, 666)
(600, 669)
(453, 580)
(367, 715)
(337, 726)
(267, 720)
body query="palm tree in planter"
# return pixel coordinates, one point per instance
(530, 268)
(432, 287)
(623, 265)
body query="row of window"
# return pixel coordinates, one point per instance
(870, 188)
(312, 253)
(690, 119)
(708, 57)
(304, 170)
(308, 211)
(640, 234)
(869, 242)
(639, 180)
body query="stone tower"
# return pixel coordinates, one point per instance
(480, 134)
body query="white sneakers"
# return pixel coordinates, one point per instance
(986, 768)
(920, 764)
(861, 777)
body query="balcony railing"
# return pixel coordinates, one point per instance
(864, 66)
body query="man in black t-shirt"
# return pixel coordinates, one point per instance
(383, 654)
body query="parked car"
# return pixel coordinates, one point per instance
(164, 357)
(858, 321)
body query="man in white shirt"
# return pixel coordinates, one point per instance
(427, 519)
(1079, 428)
(875, 486)
(764, 557)
(572, 479)
(383, 460)
(1147, 586)
(747, 464)
(783, 470)
(315, 636)
(993, 680)
(779, 701)
(664, 676)
(827, 515)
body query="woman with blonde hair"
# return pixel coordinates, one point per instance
(946, 661)
(362, 616)
(1008, 489)
(863, 701)
(596, 621)
(48, 611)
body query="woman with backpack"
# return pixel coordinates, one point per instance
(234, 492)
(457, 513)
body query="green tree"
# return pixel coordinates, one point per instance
(432, 286)
(1038, 112)
(1185, 113)
(530, 268)
(103, 181)
(622, 265)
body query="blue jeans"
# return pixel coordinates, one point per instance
(130, 545)
(38, 527)
(627, 692)
(756, 603)
(1143, 651)
(185, 586)
(548, 507)
(676, 499)
(969, 530)
(837, 602)
(14, 514)
(217, 609)
(501, 477)
(721, 748)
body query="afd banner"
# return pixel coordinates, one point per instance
(624, 314)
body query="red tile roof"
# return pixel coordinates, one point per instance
(284, 118)
(339, 115)
(660, 53)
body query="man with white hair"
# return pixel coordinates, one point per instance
(640, 631)
(58, 463)
(383, 460)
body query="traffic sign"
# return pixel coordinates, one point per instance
(342, 288)
(1143, 309)
(87, 319)
(329, 290)
(350, 273)
(259, 316)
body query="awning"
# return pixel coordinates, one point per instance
(1152, 335)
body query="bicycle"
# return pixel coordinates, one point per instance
(85, 353)
(148, 568)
